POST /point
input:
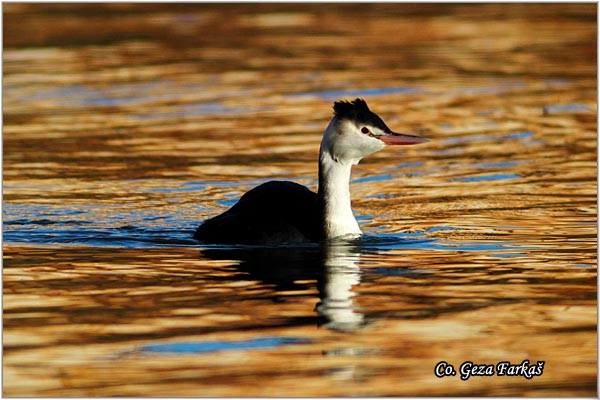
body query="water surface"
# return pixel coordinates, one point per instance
(127, 125)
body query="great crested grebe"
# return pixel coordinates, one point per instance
(280, 212)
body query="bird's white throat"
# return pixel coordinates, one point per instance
(334, 190)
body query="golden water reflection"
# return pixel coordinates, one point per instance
(85, 312)
(127, 125)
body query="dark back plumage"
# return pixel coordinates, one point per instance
(275, 212)
(358, 110)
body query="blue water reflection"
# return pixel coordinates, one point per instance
(223, 345)
(483, 138)
(337, 94)
(491, 177)
(562, 108)
(143, 229)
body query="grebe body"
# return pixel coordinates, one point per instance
(279, 212)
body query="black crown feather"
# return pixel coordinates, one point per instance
(350, 109)
(357, 110)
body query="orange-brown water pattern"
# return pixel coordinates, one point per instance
(126, 125)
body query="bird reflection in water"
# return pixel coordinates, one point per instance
(333, 265)
(340, 274)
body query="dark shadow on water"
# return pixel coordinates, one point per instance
(333, 266)
(282, 267)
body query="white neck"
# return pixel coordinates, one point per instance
(334, 192)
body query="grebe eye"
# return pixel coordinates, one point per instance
(364, 129)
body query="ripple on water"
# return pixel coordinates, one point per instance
(196, 109)
(491, 177)
(97, 225)
(565, 108)
(373, 178)
(128, 94)
(223, 345)
(383, 242)
(500, 164)
(337, 94)
(409, 164)
(507, 255)
(146, 230)
(484, 138)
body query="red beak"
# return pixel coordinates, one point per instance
(394, 138)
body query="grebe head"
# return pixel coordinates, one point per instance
(356, 132)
